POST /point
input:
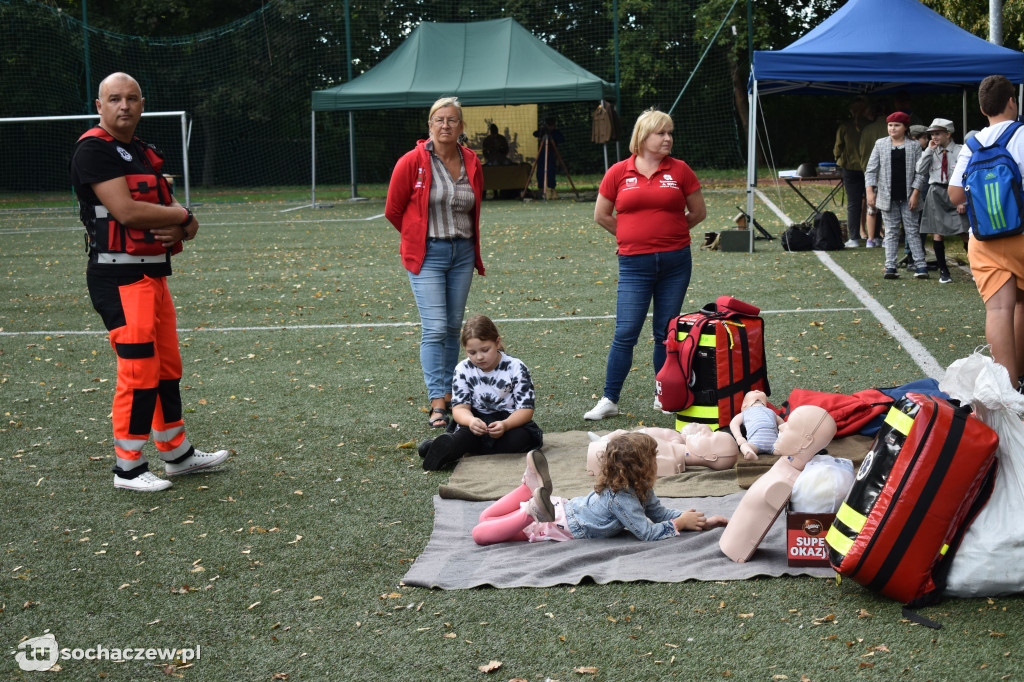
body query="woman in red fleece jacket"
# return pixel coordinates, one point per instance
(434, 202)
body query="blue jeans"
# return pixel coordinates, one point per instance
(441, 290)
(663, 276)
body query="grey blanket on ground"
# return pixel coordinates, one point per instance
(453, 561)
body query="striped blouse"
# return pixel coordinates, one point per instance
(451, 201)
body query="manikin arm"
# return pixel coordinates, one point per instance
(749, 453)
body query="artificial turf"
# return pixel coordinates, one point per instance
(300, 351)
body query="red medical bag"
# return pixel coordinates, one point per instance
(929, 472)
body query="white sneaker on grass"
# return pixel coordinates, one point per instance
(605, 408)
(852, 244)
(196, 461)
(146, 482)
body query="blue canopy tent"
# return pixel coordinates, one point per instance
(870, 47)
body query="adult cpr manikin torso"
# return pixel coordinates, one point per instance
(808, 430)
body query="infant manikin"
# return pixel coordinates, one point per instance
(761, 424)
(695, 445)
(808, 430)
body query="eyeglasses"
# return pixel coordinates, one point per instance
(450, 121)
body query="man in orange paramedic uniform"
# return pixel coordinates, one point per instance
(133, 226)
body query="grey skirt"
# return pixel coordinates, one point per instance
(939, 215)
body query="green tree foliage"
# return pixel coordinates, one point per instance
(972, 15)
(157, 17)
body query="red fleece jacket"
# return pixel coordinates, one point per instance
(407, 205)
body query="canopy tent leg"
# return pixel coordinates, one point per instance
(751, 159)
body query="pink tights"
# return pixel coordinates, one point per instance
(504, 520)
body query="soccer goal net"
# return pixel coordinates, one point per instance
(40, 172)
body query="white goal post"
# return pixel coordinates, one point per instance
(184, 136)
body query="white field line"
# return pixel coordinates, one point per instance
(372, 325)
(917, 352)
(71, 228)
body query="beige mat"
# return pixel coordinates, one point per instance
(489, 477)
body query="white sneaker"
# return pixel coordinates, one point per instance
(605, 408)
(198, 460)
(852, 244)
(146, 482)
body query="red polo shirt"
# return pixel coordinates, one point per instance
(650, 212)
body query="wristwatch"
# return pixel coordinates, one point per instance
(188, 221)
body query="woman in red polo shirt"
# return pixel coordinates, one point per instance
(649, 202)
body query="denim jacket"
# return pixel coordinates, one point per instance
(607, 513)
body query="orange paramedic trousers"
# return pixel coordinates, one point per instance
(143, 333)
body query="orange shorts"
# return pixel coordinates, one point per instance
(995, 261)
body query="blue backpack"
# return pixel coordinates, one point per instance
(992, 182)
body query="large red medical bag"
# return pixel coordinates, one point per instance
(928, 473)
(715, 356)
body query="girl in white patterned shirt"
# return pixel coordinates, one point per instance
(492, 402)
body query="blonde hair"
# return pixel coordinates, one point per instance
(651, 121)
(630, 461)
(445, 102)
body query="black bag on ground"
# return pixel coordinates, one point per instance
(826, 235)
(795, 239)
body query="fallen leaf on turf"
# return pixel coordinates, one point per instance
(866, 665)
(489, 667)
(153, 622)
(408, 445)
(997, 634)
(279, 676)
(449, 635)
(745, 615)
(317, 598)
(586, 670)
(254, 605)
(863, 613)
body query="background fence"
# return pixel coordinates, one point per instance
(246, 87)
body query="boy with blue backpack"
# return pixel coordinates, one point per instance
(987, 178)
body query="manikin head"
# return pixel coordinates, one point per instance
(808, 429)
(753, 398)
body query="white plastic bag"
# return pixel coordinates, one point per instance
(988, 562)
(822, 486)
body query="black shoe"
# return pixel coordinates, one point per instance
(424, 447)
(440, 453)
(944, 277)
(890, 273)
